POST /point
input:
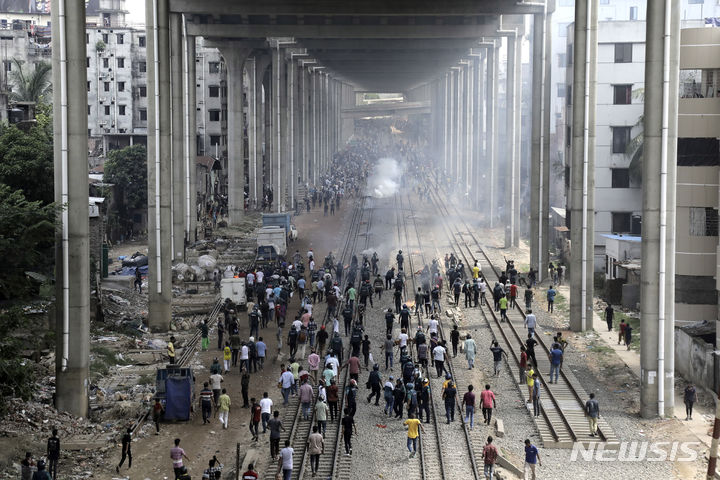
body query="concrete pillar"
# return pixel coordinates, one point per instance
(235, 56)
(252, 128)
(492, 129)
(191, 129)
(447, 131)
(582, 170)
(278, 100)
(259, 128)
(326, 123)
(460, 123)
(547, 161)
(177, 133)
(72, 247)
(159, 164)
(452, 113)
(510, 93)
(312, 127)
(537, 159)
(291, 124)
(479, 151)
(661, 68)
(518, 172)
(469, 127)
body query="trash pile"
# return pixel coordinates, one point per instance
(124, 308)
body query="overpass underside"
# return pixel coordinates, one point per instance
(303, 61)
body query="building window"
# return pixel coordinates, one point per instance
(105, 38)
(87, 62)
(121, 86)
(88, 83)
(214, 115)
(120, 38)
(621, 222)
(622, 94)
(563, 29)
(106, 110)
(621, 138)
(106, 86)
(214, 91)
(121, 110)
(620, 177)
(214, 67)
(703, 222)
(121, 62)
(562, 60)
(106, 62)
(142, 67)
(143, 91)
(633, 13)
(569, 54)
(568, 96)
(623, 53)
(561, 90)
(141, 41)
(568, 136)
(214, 140)
(88, 109)
(87, 38)
(143, 115)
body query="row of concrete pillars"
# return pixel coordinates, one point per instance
(290, 114)
(483, 158)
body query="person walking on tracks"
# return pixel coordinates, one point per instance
(468, 403)
(316, 447)
(206, 402)
(489, 455)
(498, 353)
(470, 351)
(53, 453)
(503, 304)
(439, 355)
(275, 425)
(414, 427)
(529, 294)
(348, 425)
(551, 298)
(455, 339)
(530, 347)
(530, 322)
(536, 395)
(592, 410)
(286, 454)
(556, 359)
(449, 395)
(532, 459)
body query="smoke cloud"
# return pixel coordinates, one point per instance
(385, 180)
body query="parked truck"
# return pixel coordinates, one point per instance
(271, 246)
(234, 289)
(280, 220)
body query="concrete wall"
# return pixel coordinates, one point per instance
(694, 359)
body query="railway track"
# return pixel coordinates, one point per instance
(332, 464)
(562, 421)
(455, 453)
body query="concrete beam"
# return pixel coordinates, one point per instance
(72, 259)
(339, 31)
(392, 44)
(374, 8)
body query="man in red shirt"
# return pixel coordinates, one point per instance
(523, 364)
(489, 454)
(487, 402)
(255, 415)
(251, 474)
(513, 295)
(353, 365)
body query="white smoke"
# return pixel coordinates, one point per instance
(385, 180)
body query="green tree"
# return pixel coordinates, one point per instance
(127, 170)
(26, 162)
(16, 375)
(27, 236)
(35, 86)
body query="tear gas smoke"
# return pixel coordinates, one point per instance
(385, 180)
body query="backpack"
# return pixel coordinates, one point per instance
(337, 344)
(422, 351)
(302, 336)
(420, 338)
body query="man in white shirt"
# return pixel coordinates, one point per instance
(403, 341)
(265, 410)
(432, 326)
(286, 460)
(334, 364)
(244, 357)
(250, 279)
(215, 381)
(312, 266)
(530, 322)
(260, 276)
(439, 354)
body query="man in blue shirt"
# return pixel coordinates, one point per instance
(556, 357)
(551, 298)
(532, 458)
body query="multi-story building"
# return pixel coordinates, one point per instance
(696, 255)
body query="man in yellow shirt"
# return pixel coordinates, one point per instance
(413, 424)
(475, 271)
(224, 408)
(530, 381)
(171, 350)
